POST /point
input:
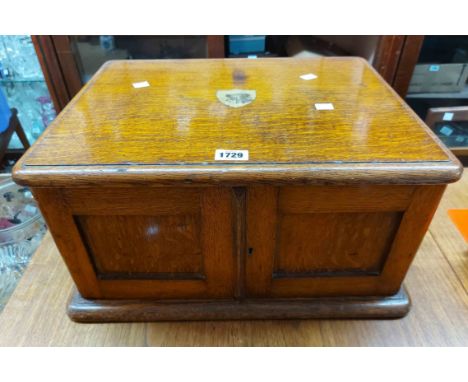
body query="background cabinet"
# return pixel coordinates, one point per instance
(434, 83)
(69, 61)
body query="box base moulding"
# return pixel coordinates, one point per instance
(84, 310)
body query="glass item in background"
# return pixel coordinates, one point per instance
(21, 230)
(93, 51)
(22, 81)
(47, 109)
(19, 60)
(453, 134)
(5, 112)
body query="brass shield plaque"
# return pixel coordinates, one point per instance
(236, 97)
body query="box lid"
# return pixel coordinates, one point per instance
(305, 120)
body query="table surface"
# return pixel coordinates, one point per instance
(179, 118)
(437, 282)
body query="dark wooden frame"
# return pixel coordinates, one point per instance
(387, 56)
(396, 58)
(118, 300)
(72, 189)
(52, 69)
(408, 58)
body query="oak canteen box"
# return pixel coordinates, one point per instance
(237, 189)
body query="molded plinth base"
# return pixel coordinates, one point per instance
(83, 310)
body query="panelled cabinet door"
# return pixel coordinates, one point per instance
(329, 240)
(145, 242)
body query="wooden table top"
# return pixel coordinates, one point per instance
(180, 119)
(437, 283)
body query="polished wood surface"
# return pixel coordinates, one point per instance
(92, 311)
(169, 131)
(149, 243)
(329, 248)
(240, 241)
(60, 64)
(238, 244)
(438, 280)
(144, 246)
(363, 198)
(346, 246)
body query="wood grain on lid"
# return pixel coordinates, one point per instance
(178, 118)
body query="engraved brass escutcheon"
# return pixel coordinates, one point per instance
(236, 97)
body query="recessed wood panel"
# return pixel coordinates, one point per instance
(333, 244)
(299, 248)
(136, 247)
(115, 252)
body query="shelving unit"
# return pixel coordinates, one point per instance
(3, 81)
(440, 50)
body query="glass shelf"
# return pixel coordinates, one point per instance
(20, 80)
(35, 110)
(460, 95)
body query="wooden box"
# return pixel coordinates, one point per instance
(319, 216)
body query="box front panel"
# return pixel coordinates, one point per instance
(333, 244)
(149, 242)
(330, 240)
(135, 247)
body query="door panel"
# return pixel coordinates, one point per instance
(321, 240)
(333, 244)
(135, 247)
(147, 242)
